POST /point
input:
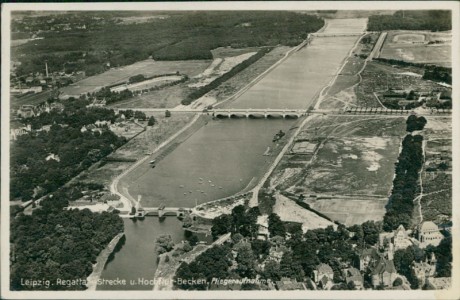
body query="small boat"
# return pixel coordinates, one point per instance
(220, 187)
(212, 185)
(152, 161)
(210, 181)
(200, 178)
(181, 186)
(185, 193)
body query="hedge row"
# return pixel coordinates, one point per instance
(215, 83)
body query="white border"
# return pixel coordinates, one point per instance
(454, 293)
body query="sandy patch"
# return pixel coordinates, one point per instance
(286, 174)
(219, 67)
(289, 211)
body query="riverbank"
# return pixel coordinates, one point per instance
(166, 270)
(101, 260)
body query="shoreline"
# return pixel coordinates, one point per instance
(101, 261)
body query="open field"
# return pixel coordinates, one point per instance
(147, 68)
(223, 52)
(356, 155)
(378, 77)
(350, 211)
(414, 46)
(146, 84)
(355, 165)
(167, 97)
(436, 203)
(289, 211)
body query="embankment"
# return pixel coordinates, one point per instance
(101, 260)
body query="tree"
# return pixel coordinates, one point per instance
(221, 225)
(164, 243)
(276, 226)
(139, 115)
(246, 261)
(151, 121)
(398, 282)
(272, 270)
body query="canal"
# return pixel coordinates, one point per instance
(225, 156)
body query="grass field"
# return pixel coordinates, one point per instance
(412, 46)
(223, 52)
(350, 211)
(350, 176)
(146, 67)
(167, 97)
(436, 202)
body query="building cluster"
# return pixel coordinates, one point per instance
(426, 97)
(37, 82)
(374, 266)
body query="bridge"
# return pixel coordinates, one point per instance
(258, 113)
(338, 34)
(166, 211)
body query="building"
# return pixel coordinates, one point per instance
(353, 275)
(429, 234)
(288, 284)
(26, 111)
(368, 258)
(425, 269)
(263, 233)
(399, 238)
(383, 273)
(323, 276)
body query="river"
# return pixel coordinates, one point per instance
(226, 155)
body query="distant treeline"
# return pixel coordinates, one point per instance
(434, 20)
(406, 182)
(432, 72)
(184, 36)
(215, 83)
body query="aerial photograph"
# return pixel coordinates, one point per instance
(223, 150)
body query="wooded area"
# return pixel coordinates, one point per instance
(182, 36)
(433, 20)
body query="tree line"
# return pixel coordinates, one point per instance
(434, 20)
(431, 72)
(218, 81)
(405, 184)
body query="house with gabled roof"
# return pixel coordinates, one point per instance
(323, 276)
(353, 275)
(429, 234)
(383, 273)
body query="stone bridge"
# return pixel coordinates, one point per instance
(166, 211)
(338, 34)
(257, 113)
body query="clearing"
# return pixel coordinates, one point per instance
(147, 68)
(289, 211)
(419, 47)
(348, 176)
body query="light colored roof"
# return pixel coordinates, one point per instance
(324, 268)
(428, 226)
